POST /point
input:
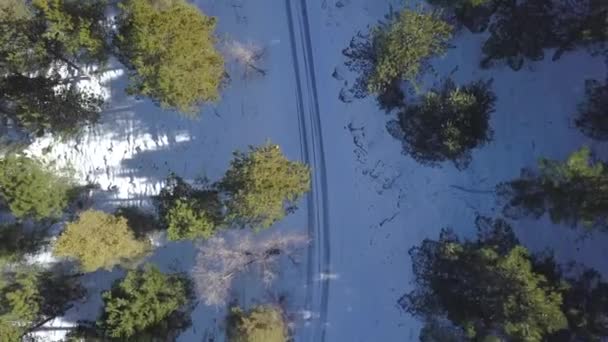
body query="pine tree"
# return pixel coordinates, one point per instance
(99, 240)
(260, 324)
(397, 50)
(145, 300)
(572, 191)
(29, 296)
(189, 212)
(37, 39)
(448, 123)
(168, 46)
(520, 30)
(474, 14)
(488, 287)
(30, 190)
(260, 184)
(593, 112)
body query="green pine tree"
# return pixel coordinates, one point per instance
(397, 50)
(572, 191)
(169, 48)
(261, 183)
(189, 212)
(593, 112)
(37, 38)
(488, 287)
(31, 190)
(142, 302)
(448, 123)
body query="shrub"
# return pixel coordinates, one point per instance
(99, 240)
(261, 324)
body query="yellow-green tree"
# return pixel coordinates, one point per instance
(262, 184)
(261, 324)
(168, 46)
(99, 240)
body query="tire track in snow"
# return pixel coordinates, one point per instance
(311, 139)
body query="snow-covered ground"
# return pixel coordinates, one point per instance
(370, 204)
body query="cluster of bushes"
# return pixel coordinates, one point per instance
(167, 47)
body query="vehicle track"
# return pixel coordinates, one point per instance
(311, 139)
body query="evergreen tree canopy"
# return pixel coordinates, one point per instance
(572, 191)
(29, 296)
(189, 212)
(38, 39)
(261, 324)
(397, 50)
(593, 112)
(260, 184)
(448, 123)
(143, 301)
(474, 14)
(520, 30)
(30, 190)
(16, 241)
(188, 221)
(99, 240)
(169, 48)
(488, 286)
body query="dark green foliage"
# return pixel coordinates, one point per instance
(397, 50)
(30, 190)
(47, 104)
(145, 302)
(189, 212)
(474, 14)
(448, 123)
(520, 30)
(36, 39)
(261, 324)
(141, 222)
(593, 112)
(16, 242)
(29, 296)
(169, 48)
(586, 307)
(488, 286)
(572, 191)
(523, 30)
(582, 23)
(262, 185)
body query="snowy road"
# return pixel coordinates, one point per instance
(311, 136)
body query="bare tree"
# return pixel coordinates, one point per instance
(246, 54)
(221, 258)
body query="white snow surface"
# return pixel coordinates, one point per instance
(370, 204)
